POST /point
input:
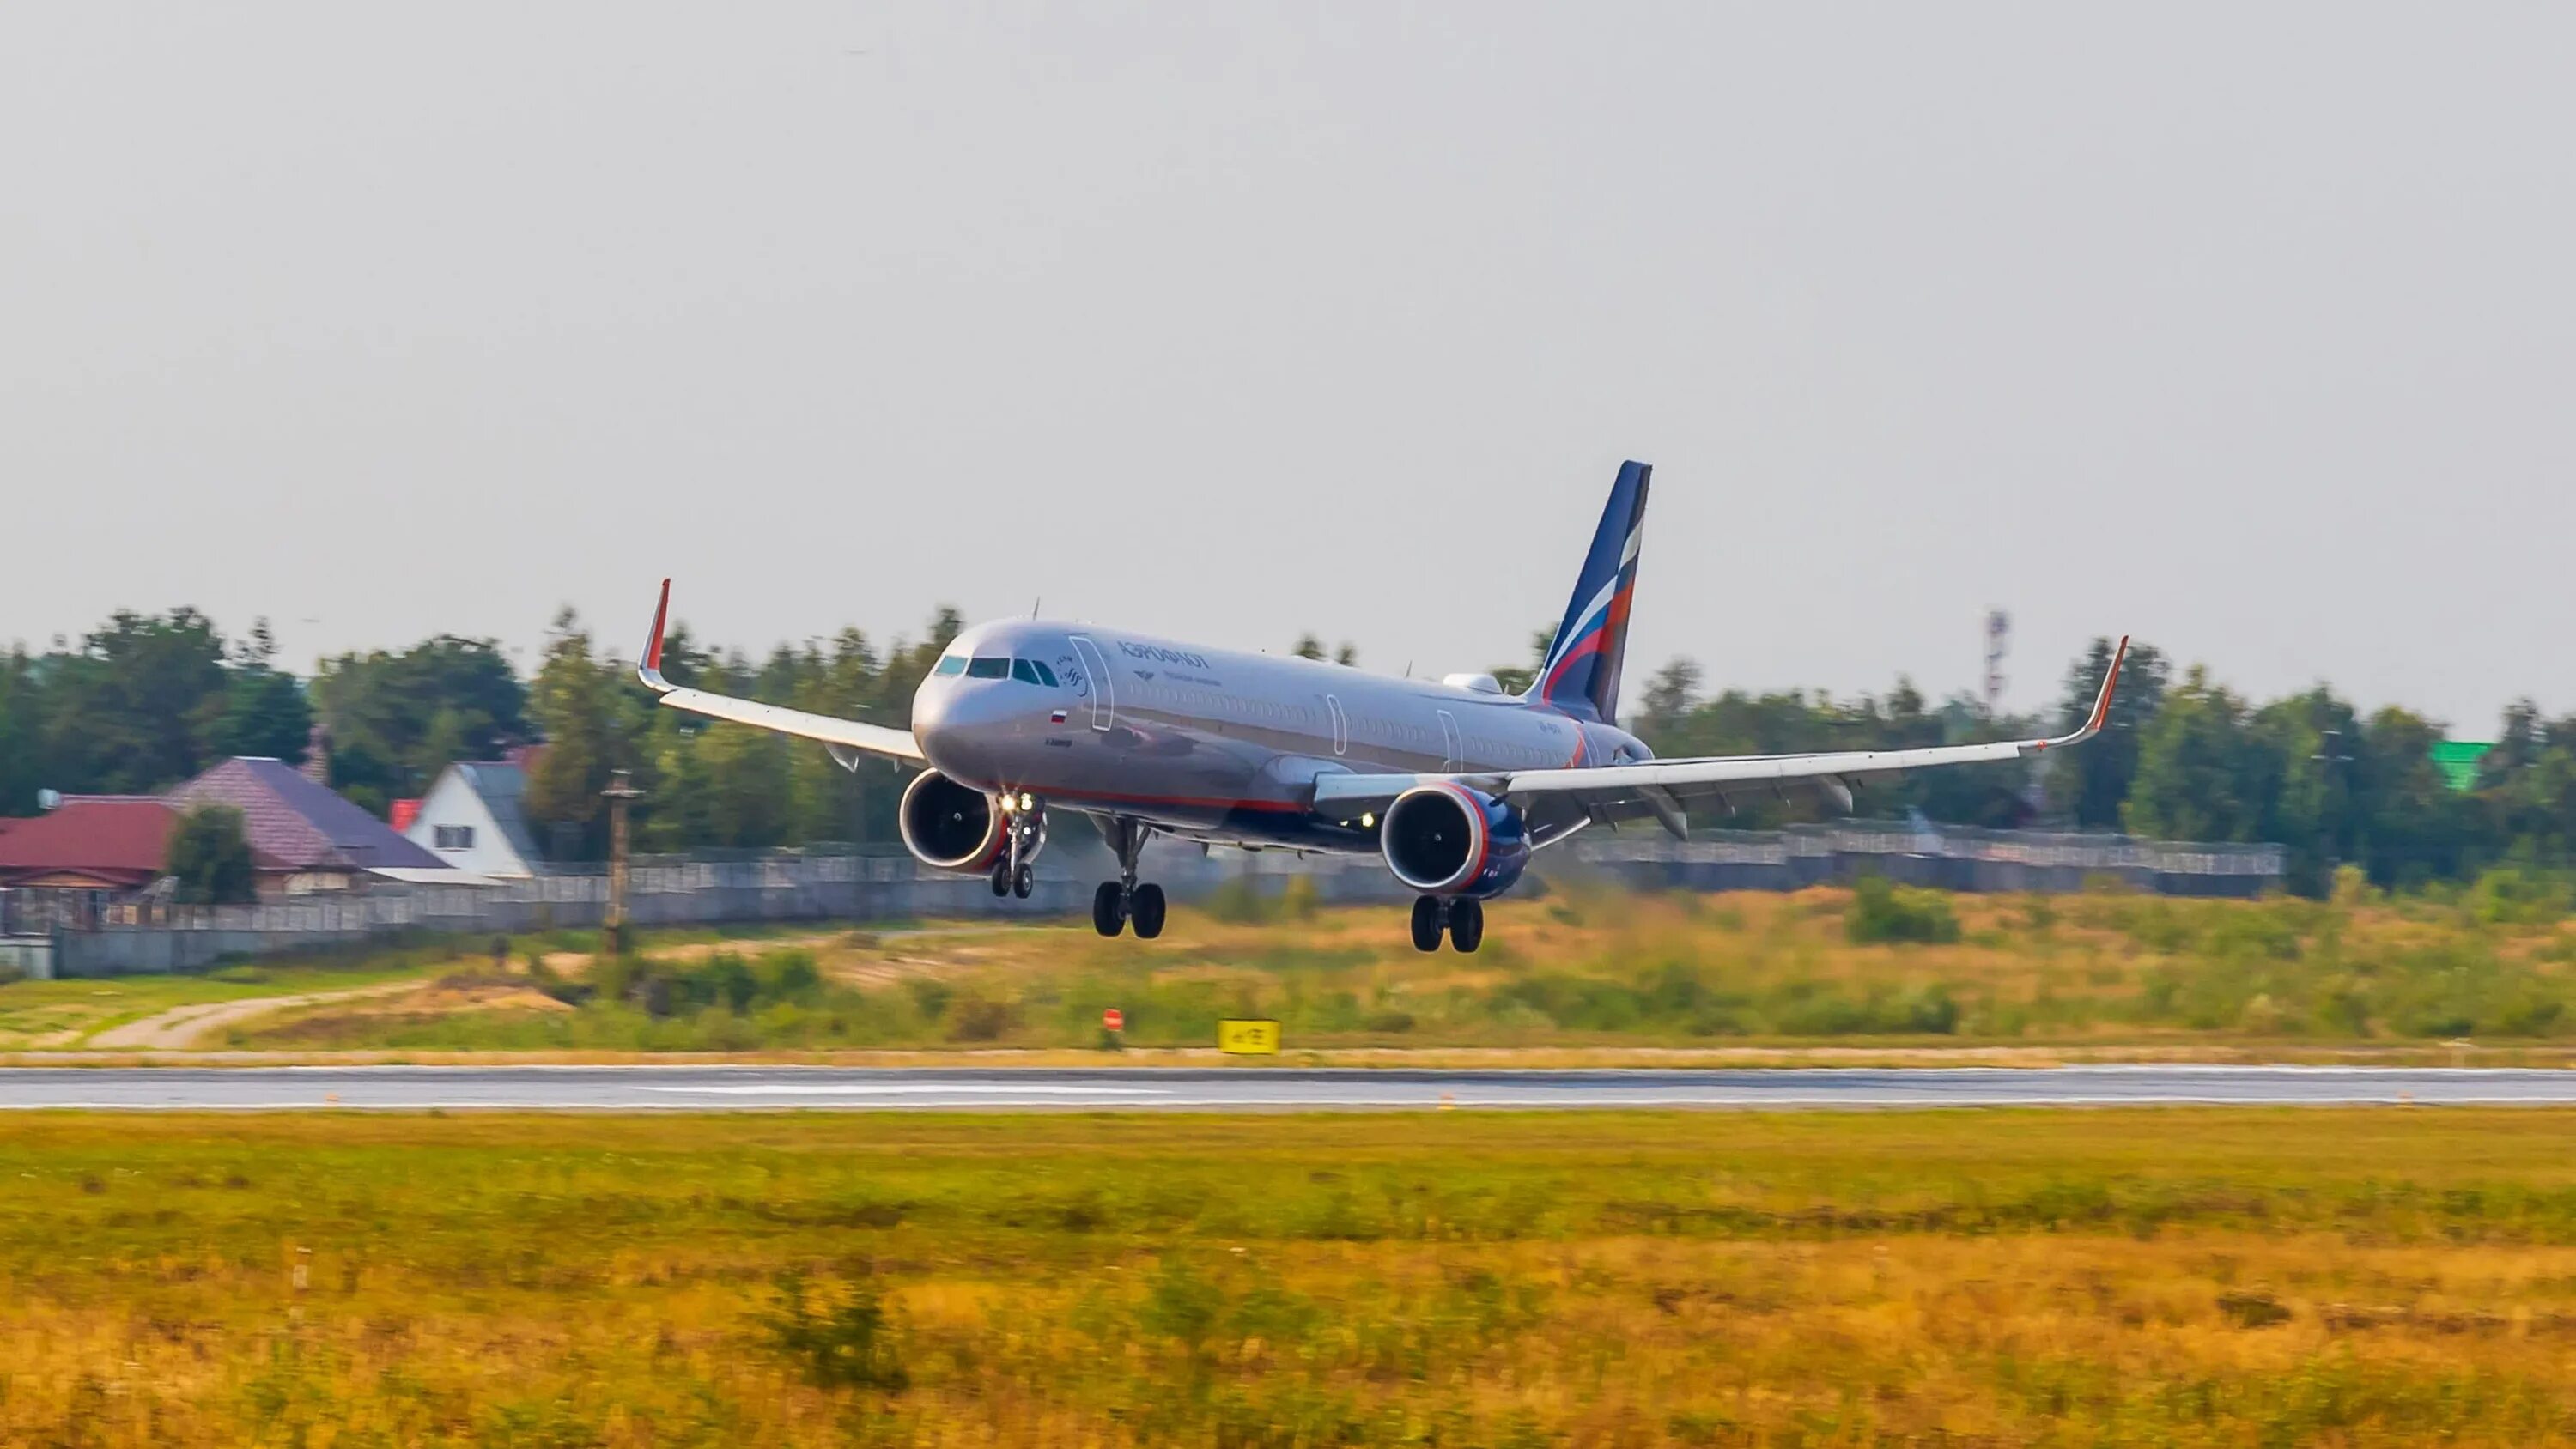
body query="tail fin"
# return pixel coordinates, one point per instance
(1581, 675)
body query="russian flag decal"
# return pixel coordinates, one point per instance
(1055, 716)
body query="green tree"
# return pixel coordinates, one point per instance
(137, 708)
(1670, 695)
(2527, 787)
(2197, 778)
(400, 717)
(2415, 827)
(22, 755)
(2305, 752)
(209, 858)
(2089, 785)
(1515, 678)
(264, 712)
(576, 705)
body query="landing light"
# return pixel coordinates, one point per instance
(1028, 802)
(1368, 821)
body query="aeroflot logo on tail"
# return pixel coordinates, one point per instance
(1168, 656)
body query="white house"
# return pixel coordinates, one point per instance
(471, 819)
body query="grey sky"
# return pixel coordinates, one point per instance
(2246, 328)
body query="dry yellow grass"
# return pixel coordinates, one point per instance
(2149, 1277)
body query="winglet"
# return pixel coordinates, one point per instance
(649, 669)
(2101, 714)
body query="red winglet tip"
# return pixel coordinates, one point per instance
(2110, 685)
(661, 611)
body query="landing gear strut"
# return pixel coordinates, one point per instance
(1121, 901)
(1461, 918)
(1015, 873)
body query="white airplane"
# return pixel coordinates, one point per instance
(1453, 783)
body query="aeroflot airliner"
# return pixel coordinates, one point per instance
(1454, 784)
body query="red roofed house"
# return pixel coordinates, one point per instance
(87, 843)
(303, 836)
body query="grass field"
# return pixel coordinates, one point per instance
(39, 1015)
(1581, 967)
(2141, 1277)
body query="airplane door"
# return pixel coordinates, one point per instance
(1104, 696)
(1454, 757)
(1341, 725)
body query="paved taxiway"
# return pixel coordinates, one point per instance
(1243, 1089)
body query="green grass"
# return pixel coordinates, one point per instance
(2134, 1277)
(1588, 966)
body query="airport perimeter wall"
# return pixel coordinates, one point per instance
(844, 886)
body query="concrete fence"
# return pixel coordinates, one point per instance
(115, 940)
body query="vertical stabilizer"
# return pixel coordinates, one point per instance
(1581, 676)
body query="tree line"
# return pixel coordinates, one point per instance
(148, 700)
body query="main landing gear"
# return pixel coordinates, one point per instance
(1462, 917)
(1121, 901)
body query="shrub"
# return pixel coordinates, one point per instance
(209, 856)
(848, 1344)
(2510, 895)
(978, 1018)
(1885, 912)
(1240, 902)
(2253, 1310)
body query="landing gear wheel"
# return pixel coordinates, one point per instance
(1466, 924)
(1002, 878)
(1108, 911)
(1024, 880)
(1426, 923)
(1145, 907)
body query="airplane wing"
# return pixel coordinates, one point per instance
(847, 739)
(1661, 787)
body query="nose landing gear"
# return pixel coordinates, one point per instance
(1015, 874)
(1122, 901)
(1462, 918)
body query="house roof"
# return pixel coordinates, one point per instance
(116, 840)
(297, 824)
(501, 787)
(2458, 761)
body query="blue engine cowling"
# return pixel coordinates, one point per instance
(1449, 840)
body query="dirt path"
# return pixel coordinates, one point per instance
(183, 1026)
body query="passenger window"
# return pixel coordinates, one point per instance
(951, 664)
(993, 668)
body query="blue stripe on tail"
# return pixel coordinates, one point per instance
(1581, 676)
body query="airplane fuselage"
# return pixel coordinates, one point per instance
(1209, 744)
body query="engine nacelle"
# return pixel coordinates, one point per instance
(1448, 840)
(949, 827)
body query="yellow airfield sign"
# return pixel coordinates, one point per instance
(1248, 1038)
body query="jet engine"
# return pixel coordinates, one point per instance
(950, 827)
(1449, 840)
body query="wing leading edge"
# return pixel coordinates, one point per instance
(841, 735)
(1654, 787)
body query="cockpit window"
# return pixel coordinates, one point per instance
(994, 667)
(950, 664)
(1030, 671)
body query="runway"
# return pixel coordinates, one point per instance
(1246, 1089)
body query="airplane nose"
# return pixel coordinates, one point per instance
(947, 715)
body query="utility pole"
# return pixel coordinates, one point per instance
(620, 789)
